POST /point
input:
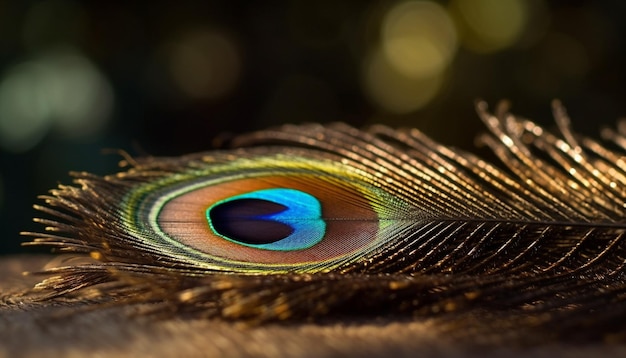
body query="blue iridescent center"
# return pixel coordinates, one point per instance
(275, 219)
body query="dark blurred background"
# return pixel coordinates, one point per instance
(165, 78)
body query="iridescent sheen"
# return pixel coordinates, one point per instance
(301, 212)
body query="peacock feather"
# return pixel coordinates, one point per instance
(320, 221)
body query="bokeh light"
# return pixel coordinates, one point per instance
(418, 38)
(23, 120)
(406, 70)
(204, 64)
(490, 25)
(394, 91)
(60, 89)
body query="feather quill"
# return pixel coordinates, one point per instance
(409, 227)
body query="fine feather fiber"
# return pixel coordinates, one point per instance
(393, 224)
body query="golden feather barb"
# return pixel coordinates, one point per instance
(315, 221)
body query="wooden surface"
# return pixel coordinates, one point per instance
(35, 329)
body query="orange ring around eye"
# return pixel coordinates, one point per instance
(351, 223)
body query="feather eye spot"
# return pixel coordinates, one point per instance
(245, 221)
(272, 219)
(263, 221)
